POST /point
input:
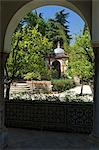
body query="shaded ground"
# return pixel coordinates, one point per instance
(23, 139)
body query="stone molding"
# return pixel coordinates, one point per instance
(95, 44)
(3, 56)
(4, 52)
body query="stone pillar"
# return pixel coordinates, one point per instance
(95, 44)
(3, 133)
(95, 133)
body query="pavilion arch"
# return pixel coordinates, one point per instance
(57, 67)
(29, 7)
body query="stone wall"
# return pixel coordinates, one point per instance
(69, 117)
(40, 86)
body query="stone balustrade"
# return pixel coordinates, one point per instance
(59, 116)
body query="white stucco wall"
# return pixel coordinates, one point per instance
(95, 21)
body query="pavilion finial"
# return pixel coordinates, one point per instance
(58, 44)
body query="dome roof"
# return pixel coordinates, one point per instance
(58, 50)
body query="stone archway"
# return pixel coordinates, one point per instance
(18, 9)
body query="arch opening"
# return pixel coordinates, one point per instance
(56, 67)
(27, 8)
(55, 64)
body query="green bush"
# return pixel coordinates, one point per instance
(61, 85)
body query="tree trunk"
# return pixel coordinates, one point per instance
(92, 88)
(8, 83)
(8, 89)
(81, 88)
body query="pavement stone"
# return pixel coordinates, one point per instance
(24, 139)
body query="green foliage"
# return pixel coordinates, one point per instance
(27, 59)
(30, 45)
(81, 58)
(62, 84)
(32, 75)
(58, 30)
(13, 65)
(34, 39)
(32, 19)
(84, 43)
(62, 18)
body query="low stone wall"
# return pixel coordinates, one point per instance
(40, 86)
(69, 117)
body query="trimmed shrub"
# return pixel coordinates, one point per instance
(61, 85)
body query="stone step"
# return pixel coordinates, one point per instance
(19, 87)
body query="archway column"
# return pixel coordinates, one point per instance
(3, 133)
(95, 133)
(95, 44)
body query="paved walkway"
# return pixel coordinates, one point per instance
(23, 139)
(86, 89)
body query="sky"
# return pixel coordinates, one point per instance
(76, 24)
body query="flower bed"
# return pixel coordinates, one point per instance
(67, 96)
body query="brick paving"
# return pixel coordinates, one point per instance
(24, 139)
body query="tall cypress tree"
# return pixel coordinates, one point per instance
(58, 29)
(62, 18)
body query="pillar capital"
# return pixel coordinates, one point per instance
(95, 44)
(3, 56)
(95, 21)
(4, 53)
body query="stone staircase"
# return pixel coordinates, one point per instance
(20, 87)
(31, 87)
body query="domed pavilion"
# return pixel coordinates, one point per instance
(57, 62)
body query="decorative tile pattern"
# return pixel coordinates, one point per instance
(71, 117)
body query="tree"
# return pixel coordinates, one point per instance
(81, 58)
(37, 48)
(84, 43)
(31, 44)
(61, 17)
(12, 65)
(54, 29)
(26, 60)
(58, 30)
(32, 19)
